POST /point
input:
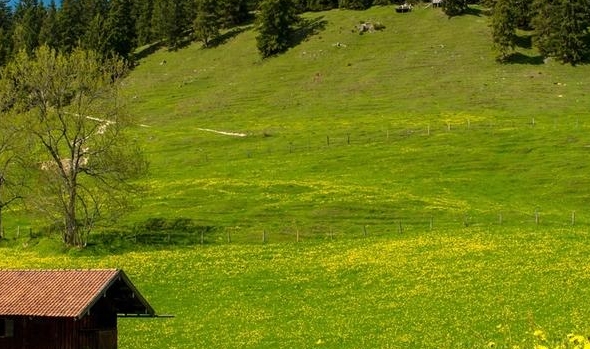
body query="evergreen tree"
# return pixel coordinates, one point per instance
(94, 38)
(275, 26)
(120, 28)
(233, 12)
(561, 29)
(71, 27)
(573, 32)
(504, 28)
(454, 7)
(143, 27)
(355, 4)
(169, 21)
(49, 33)
(206, 24)
(28, 18)
(5, 32)
(523, 13)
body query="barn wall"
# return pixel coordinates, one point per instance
(98, 330)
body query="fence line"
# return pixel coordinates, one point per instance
(391, 134)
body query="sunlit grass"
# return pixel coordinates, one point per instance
(458, 289)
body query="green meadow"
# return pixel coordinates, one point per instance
(410, 191)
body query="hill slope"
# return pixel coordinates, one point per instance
(408, 123)
(414, 124)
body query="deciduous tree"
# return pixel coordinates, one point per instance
(81, 159)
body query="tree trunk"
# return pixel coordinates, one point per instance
(71, 237)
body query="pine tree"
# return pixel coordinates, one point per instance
(233, 12)
(275, 26)
(71, 27)
(169, 21)
(454, 7)
(206, 24)
(49, 33)
(573, 32)
(523, 13)
(94, 38)
(120, 28)
(504, 28)
(28, 17)
(143, 28)
(5, 32)
(561, 28)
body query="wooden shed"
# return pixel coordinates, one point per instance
(66, 309)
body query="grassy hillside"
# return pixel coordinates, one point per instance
(412, 123)
(413, 135)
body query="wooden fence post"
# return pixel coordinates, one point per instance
(573, 217)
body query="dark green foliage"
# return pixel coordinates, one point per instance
(504, 28)
(206, 24)
(120, 28)
(28, 17)
(5, 31)
(49, 34)
(275, 26)
(562, 29)
(355, 4)
(143, 27)
(171, 20)
(94, 38)
(523, 13)
(573, 32)
(71, 27)
(454, 7)
(233, 12)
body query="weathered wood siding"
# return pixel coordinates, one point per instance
(97, 330)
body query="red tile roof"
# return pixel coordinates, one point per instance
(55, 293)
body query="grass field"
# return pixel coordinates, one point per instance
(413, 123)
(464, 288)
(468, 178)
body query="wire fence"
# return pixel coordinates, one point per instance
(390, 133)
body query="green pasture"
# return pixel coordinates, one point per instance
(413, 126)
(465, 288)
(413, 123)
(441, 200)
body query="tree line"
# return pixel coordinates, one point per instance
(560, 28)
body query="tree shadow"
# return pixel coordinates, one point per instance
(308, 28)
(519, 58)
(225, 37)
(148, 50)
(473, 11)
(524, 41)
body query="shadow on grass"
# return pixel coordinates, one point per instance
(524, 41)
(225, 37)
(308, 28)
(519, 58)
(473, 11)
(148, 50)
